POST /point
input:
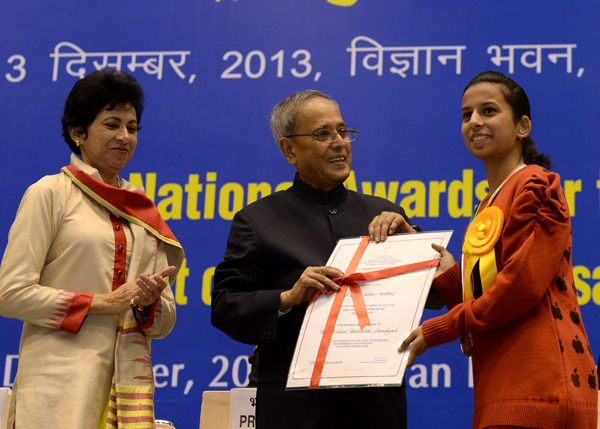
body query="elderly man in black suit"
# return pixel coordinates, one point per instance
(275, 258)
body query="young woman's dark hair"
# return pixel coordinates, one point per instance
(517, 98)
(95, 92)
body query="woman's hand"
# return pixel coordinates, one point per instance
(312, 278)
(447, 260)
(388, 223)
(115, 302)
(145, 290)
(151, 286)
(417, 343)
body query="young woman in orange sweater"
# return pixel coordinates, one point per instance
(512, 302)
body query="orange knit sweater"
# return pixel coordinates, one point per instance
(532, 365)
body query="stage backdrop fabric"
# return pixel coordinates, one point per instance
(213, 69)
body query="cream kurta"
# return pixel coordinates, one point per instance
(61, 246)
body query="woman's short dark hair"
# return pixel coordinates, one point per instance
(95, 92)
(519, 102)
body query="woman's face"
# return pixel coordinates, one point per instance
(488, 126)
(110, 142)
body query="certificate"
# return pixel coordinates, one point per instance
(343, 343)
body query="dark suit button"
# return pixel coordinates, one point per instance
(333, 211)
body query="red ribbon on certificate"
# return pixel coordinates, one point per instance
(349, 281)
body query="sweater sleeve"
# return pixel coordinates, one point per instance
(536, 232)
(21, 295)
(450, 286)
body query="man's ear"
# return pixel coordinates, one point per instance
(287, 148)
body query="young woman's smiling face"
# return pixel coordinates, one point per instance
(489, 128)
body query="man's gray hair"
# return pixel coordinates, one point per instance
(283, 116)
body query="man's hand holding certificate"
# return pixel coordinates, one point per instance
(350, 338)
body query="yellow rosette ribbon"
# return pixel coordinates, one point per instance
(482, 235)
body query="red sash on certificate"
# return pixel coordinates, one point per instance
(349, 281)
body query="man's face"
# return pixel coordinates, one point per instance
(322, 165)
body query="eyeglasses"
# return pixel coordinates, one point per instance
(326, 135)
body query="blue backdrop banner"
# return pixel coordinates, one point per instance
(213, 69)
